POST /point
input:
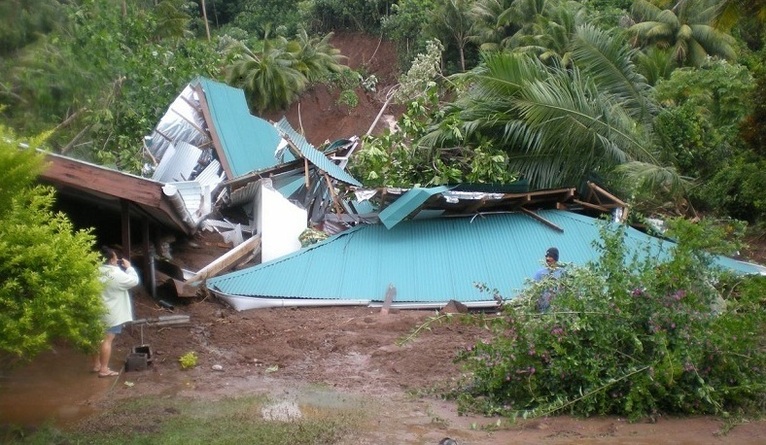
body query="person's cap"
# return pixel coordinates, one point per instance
(553, 253)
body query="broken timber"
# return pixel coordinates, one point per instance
(250, 246)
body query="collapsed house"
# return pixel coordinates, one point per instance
(208, 157)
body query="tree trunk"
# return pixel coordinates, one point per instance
(204, 16)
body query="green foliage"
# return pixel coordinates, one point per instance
(355, 15)
(23, 21)
(49, 287)
(258, 16)
(737, 188)
(104, 78)
(276, 70)
(556, 125)
(404, 26)
(700, 129)
(188, 360)
(348, 98)
(395, 158)
(628, 335)
(685, 27)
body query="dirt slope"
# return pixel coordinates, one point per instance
(318, 113)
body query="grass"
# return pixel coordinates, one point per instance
(193, 421)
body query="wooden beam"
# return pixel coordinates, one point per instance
(592, 206)
(542, 220)
(599, 190)
(333, 196)
(149, 258)
(217, 145)
(253, 244)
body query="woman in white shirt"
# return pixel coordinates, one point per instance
(118, 276)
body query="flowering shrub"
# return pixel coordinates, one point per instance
(626, 336)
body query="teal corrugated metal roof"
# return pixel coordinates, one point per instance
(248, 142)
(315, 156)
(408, 203)
(432, 260)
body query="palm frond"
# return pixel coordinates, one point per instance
(608, 60)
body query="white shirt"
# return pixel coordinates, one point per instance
(115, 295)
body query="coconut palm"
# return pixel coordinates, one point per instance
(729, 11)
(551, 32)
(451, 22)
(559, 126)
(686, 28)
(268, 75)
(315, 57)
(487, 31)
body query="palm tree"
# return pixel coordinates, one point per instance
(560, 125)
(275, 75)
(269, 75)
(487, 31)
(686, 29)
(451, 19)
(315, 57)
(729, 11)
(551, 32)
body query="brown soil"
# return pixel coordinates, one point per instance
(319, 116)
(354, 350)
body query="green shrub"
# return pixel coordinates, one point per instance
(188, 360)
(626, 336)
(348, 98)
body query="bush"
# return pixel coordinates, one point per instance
(49, 287)
(626, 336)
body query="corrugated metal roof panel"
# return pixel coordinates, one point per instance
(408, 203)
(178, 163)
(211, 175)
(249, 143)
(315, 156)
(429, 260)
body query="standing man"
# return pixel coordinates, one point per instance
(117, 275)
(550, 271)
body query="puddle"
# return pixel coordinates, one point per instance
(57, 387)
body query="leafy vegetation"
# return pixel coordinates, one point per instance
(181, 420)
(49, 289)
(629, 335)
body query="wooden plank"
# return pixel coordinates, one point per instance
(388, 300)
(592, 206)
(598, 190)
(227, 260)
(542, 220)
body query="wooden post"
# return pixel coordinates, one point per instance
(125, 216)
(150, 277)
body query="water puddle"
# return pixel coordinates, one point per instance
(56, 387)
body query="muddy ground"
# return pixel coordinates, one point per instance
(360, 354)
